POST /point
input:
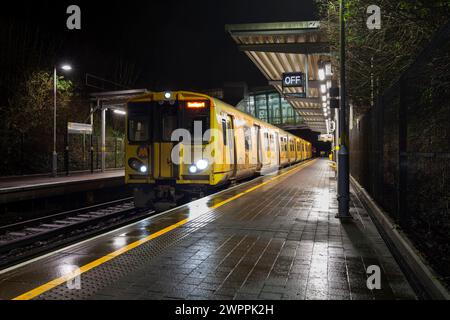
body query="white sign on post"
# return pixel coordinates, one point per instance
(79, 128)
(293, 79)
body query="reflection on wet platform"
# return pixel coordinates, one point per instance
(275, 237)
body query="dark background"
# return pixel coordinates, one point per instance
(173, 44)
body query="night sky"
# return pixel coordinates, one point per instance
(174, 44)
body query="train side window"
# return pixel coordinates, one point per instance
(266, 141)
(224, 132)
(248, 138)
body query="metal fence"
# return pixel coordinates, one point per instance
(80, 158)
(400, 152)
(31, 154)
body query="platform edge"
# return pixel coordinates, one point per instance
(423, 273)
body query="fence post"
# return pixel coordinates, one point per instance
(380, 129)
(66, 152)
(97, 151)
(92, 152)
(22, 142)
(115, 153)
(402, 200)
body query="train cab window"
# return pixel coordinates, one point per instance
(202, 125)
(192, 119)
(169, 125)
(138, 122)
(166, 117)
(224, 132)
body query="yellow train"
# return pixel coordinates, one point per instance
(185, 144)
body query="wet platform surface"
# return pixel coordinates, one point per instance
(273, 238)
(27, 182)
(18, 189)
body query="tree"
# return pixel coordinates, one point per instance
(381, 55)
(31, 106)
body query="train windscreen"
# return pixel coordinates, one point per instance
(196, 119)
(139, 122)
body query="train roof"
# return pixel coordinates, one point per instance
(187, 95)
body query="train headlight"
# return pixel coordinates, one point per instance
(143, 169)
(202, 164)
(137, 165)
(167, 95)
(193, 169)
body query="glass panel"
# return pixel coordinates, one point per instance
(288, 113)
(261, 107)
(224, 132)
(248, 138)
(251, 106)
(139, 120)
(274, 107)
(169, 125)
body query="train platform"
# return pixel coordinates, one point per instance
(33, 187)
(275, 237)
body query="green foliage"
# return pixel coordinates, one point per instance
(406, 28)
(31, 105)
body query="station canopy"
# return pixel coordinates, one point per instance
(278, 48)
(115, 100)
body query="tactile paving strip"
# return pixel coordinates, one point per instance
(109, 272)
(113, 270)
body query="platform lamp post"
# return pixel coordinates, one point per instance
(343, 154)
(65, 67)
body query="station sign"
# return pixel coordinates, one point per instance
(326, 138)
(294, 80)
(79, 128)
(296, 95)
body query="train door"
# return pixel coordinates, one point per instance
(288, 150)
(231, 145)
(277, 148)
(164, 145)
(257, 130)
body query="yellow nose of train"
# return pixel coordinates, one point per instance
(184, 144)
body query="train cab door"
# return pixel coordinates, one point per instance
(164, 146)
(231, 146)
(257, 130)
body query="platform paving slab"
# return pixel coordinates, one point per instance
(278, 242)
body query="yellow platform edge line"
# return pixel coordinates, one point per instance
(54, 283)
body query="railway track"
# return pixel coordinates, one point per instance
(23, 240)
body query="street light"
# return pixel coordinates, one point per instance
(65, 67)
(120, 112)
(343, 155)
(321, 74)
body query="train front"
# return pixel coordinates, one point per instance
(167, 156)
